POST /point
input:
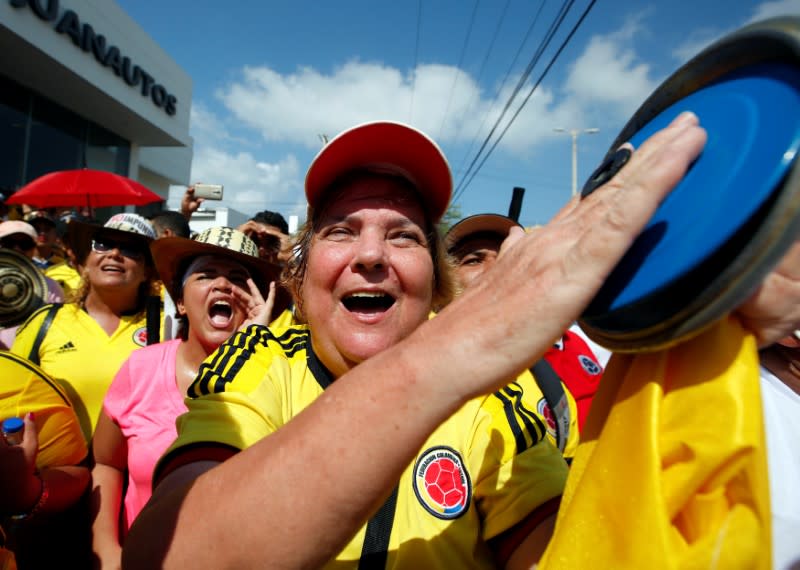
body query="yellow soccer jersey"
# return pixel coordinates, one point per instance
(27, 389)
(284, 320)
(481, 472)
(574, 437)
(79, 354)
(66, 276)
(543, 411)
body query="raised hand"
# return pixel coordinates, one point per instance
(190, 204)
(258, 309)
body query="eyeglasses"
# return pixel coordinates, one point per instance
(104, 245)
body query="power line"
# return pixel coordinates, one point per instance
(458, 67)
(502, 84)
(530, 93)
(565, 7)
(416, 61)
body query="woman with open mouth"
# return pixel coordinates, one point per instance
(438, 460)
(374, 436)
(219, 285)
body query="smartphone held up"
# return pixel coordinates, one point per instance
(208, 191)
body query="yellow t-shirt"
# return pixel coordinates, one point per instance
(26, 388)
(481, 472)
(66, 276)
(79, 354)
(285, 319)
(542, 410)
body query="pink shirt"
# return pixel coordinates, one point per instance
(144, 402)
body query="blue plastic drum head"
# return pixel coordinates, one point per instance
(682, 262)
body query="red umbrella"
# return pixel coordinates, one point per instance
(83, 187)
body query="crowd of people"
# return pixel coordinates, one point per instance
(367, 392)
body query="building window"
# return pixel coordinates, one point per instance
(14, 103)
(107, 151)
(56, 139)
(38, 136)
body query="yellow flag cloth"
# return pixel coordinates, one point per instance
(671, 471)
(24, 387)
(7, 560)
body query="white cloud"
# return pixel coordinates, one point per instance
(695, 42)
(205, 125)
(297, 108)
(250, 184)
(701, 38)
(776, 8)
(610, 72)
(265, 107)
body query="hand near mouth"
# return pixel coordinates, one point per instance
(257, 309)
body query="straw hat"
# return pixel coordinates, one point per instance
(172, 256)
(479, 223)
(23, 288)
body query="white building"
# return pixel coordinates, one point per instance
(205, 218)
(81, 84)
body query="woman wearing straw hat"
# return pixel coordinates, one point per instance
(84, 342)
(217, 281)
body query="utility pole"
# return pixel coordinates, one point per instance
(574, 133)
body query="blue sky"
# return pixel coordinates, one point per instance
(271, 78)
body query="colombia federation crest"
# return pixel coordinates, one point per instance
(140, 336)
(441, 483)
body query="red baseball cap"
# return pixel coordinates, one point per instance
(384, 146)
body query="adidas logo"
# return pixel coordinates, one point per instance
(66, 347)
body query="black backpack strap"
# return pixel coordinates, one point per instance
(550, 384)
(37, 343)
(153, 315)
(375, 550)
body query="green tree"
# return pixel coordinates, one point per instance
(451, 216)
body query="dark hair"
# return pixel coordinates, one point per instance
(24, 241)
(272, 219)
(172, 220)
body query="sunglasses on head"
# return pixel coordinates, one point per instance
(104, 245)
